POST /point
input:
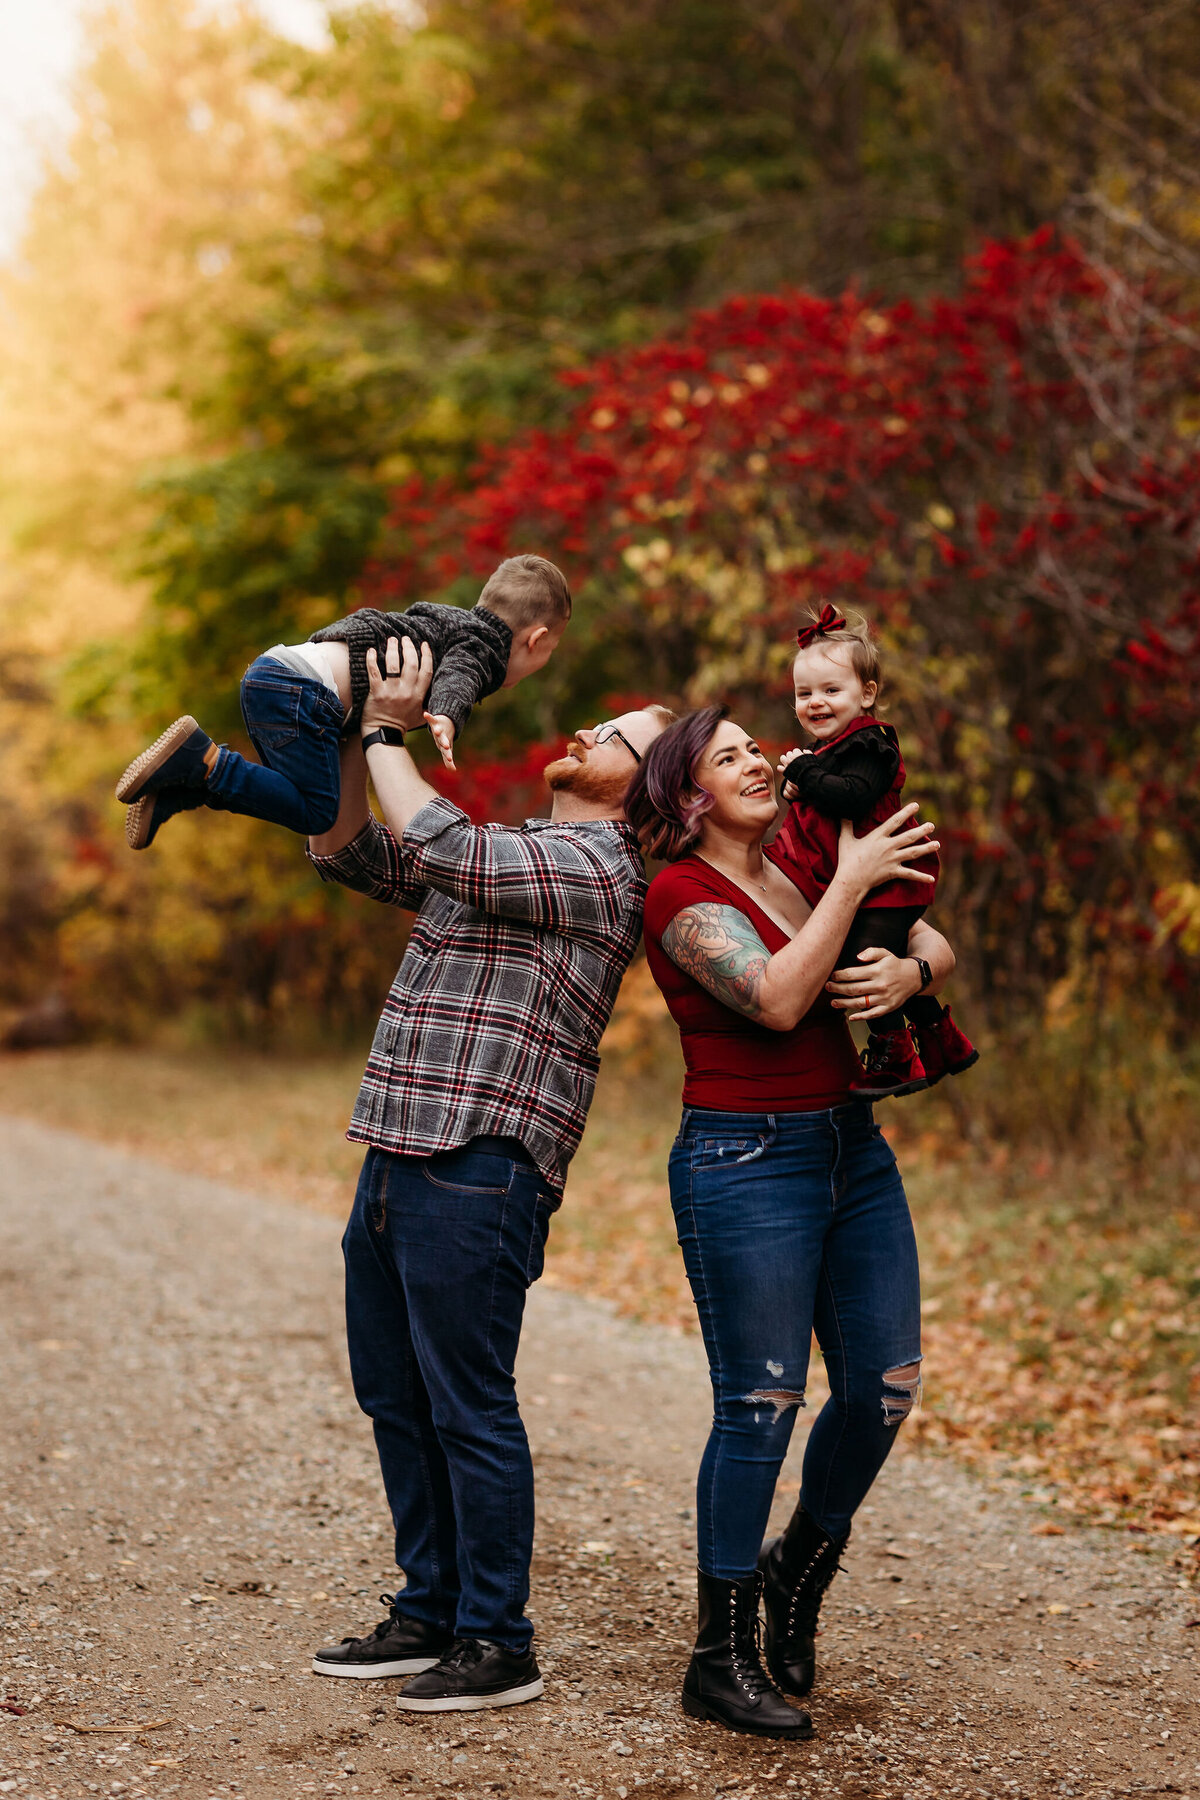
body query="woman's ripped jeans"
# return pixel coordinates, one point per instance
(792, 1223)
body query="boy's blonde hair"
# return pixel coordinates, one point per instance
(831, 628)
(526, 591)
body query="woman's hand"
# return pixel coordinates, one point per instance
(398, 696)
(879, 983)
(880, 856)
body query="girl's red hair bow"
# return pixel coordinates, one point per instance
(828, 621)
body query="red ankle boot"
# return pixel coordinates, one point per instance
(891, 1067)
(945, 1050)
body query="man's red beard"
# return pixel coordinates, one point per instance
(568, 776)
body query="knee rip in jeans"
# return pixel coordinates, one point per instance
(901, 1392)
(778, 1399)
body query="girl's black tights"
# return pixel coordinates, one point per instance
(887, 928)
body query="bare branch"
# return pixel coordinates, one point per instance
(1149, 234)
(1152, 153)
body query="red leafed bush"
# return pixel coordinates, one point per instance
(505, 789)
(1006, 481)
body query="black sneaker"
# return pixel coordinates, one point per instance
(397, 1646)
(471, 1675)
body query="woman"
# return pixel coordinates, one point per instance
(790, 1210)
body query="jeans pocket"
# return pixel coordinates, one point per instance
(377, 1201)
(535, 1262)
(467, 1172)
(271, 710)
(717, 1153)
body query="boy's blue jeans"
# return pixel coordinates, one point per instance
(440, 1252)
(295, 725)
(791, 1222)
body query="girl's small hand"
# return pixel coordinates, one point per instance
(788, 791)
(882, 855)
(878, 984)
(441, 730)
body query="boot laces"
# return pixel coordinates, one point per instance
(810, 1590)
(746, 1655)
(880, 1052)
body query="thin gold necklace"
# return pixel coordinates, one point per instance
(720, 871)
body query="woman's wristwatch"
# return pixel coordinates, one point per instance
(389, 734)
(926, 973)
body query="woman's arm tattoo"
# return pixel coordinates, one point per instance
(719, 947)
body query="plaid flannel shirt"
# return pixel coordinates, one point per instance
(493, 1022)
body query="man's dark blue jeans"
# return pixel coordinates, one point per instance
(440, 1252)
(791, 1222)
(295, 725)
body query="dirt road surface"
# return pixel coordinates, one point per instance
(189, 1504)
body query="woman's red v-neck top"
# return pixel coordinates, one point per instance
(734, 1065)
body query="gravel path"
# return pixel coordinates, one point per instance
(189, 1504)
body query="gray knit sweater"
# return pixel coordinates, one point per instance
(470, 653)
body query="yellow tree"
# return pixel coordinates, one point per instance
(130, 268)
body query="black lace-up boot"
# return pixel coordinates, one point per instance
(796, 1569)
(726, 1680)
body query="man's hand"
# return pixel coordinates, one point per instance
(441, 730)
(398, 697)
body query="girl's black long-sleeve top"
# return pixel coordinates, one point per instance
(845, 779)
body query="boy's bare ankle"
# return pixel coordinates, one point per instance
(210, 757)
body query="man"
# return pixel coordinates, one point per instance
(472, 1105)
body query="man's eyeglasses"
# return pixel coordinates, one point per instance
(604, 734)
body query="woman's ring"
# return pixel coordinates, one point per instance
(868, 999)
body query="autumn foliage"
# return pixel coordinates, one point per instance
(1007, 482)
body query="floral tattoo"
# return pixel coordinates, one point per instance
(719, 947)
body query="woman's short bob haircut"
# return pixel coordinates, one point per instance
(665, 803)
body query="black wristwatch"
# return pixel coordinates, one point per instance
(926, 973)
(385, 734)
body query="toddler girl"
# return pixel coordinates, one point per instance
(855, 771)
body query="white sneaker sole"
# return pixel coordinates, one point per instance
(143, 766)
(473, 1702)
(409, 1665)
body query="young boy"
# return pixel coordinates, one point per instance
(298, 700)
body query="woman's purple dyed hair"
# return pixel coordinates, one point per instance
(665, 803)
